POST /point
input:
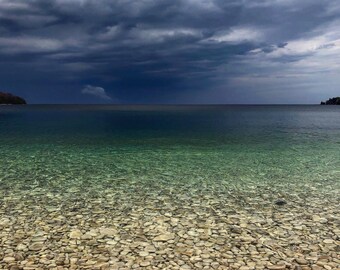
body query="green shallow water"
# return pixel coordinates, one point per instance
(57, 147)
(127, 166)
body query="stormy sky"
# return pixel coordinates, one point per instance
(170, 51)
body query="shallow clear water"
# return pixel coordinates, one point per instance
(60, 146)
(119, 164)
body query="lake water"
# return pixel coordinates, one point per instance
(169, 187)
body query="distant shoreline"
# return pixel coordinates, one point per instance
(10, 99)
(331, 101)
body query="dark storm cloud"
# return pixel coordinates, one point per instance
(167, 50)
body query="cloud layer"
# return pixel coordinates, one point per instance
(171, 51)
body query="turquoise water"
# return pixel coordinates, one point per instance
(86, 167)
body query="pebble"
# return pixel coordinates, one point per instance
(75, 234)
(36, 246)
(301, 261)
(276, 267)
(8, 259)
(143, 253)
(86, 237)
(21, 247)
(108, 231)
(328, 241)
(145, 263)
(164, 237)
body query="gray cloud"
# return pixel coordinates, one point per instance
(95, 91)
(169, 50)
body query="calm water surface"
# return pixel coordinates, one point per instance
(56, 145)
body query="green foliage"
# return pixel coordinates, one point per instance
(7, 98)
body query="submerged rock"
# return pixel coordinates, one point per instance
(280, 202)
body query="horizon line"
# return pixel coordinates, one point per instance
(165, 104)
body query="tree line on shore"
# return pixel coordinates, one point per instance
(331, 101)
(7, 98)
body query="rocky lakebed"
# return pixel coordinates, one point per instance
(170, 227)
